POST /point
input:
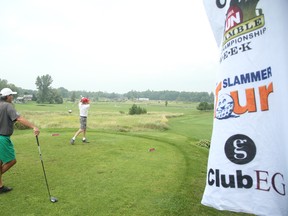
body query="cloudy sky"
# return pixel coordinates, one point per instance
(108, 45)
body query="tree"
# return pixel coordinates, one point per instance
(54, 97)
(73, 96)
(5, 84)
(63, 92)
(44, 90)
(46, 94)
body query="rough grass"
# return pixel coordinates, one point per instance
(98, 119)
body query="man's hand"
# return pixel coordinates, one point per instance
(36, 131)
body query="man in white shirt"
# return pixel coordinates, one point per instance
(84, 106)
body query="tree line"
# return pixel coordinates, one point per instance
(45, 93)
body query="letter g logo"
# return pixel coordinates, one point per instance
(240, 149)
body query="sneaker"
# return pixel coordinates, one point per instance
(85, 141)
(5, 189)
(72, 141)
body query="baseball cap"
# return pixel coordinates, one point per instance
(85, 100)
(6, 92)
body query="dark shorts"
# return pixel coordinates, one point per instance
(83, 122)
(7, 152)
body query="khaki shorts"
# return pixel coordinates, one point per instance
(83, 122)
(7, 152)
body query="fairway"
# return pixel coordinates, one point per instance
(116, 173)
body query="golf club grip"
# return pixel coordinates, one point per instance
(37, 140)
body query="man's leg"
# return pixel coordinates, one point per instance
(76, 134)
(1, 183)
(7, 154)
(83, 127)
(7, 166)
(84, 134)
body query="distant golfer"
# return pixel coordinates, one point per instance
(8, 116)
(83, 108)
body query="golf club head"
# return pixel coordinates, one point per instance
(53, 199)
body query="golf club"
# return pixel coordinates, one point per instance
(52, 199)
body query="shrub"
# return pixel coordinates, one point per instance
(137, 110)
(205, 106)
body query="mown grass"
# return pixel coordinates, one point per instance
(115, 174)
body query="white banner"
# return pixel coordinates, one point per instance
(247, 168)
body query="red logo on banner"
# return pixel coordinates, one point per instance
(234, 17)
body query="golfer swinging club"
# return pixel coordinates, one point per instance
(8, 116)
(83, 108)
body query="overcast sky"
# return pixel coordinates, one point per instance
(108, 45)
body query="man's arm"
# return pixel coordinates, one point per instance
(25, 122)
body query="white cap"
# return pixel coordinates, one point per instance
(7, 91)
